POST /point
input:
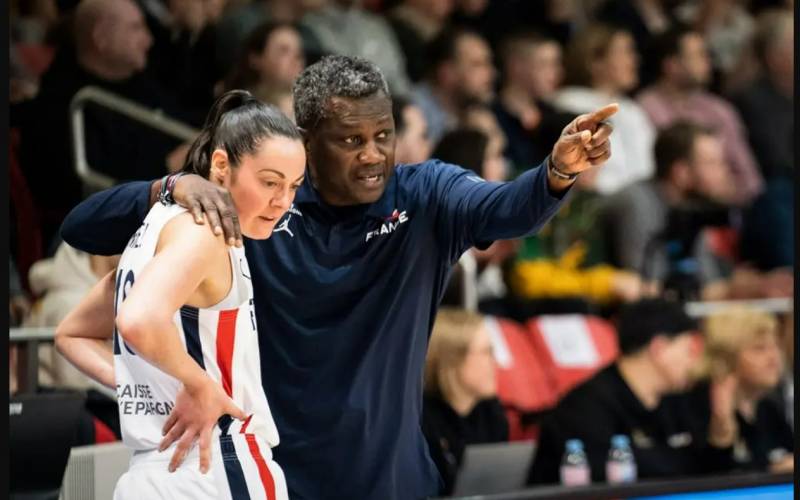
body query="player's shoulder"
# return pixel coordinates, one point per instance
(182, 228)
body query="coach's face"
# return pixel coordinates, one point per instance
(351, 151)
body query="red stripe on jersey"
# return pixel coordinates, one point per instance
(245, 424)
(263, 470)
(226, 334)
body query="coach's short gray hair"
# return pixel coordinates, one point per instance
(333, 76)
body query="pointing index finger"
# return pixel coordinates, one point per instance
(605, 112)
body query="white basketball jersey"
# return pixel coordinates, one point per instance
(222, 339)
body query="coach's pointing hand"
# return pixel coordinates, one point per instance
(583, 144)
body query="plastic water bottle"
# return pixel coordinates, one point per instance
(621, 464)
(574, 466)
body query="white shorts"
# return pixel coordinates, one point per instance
(241, 469)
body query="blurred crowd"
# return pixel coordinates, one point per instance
(696, 202)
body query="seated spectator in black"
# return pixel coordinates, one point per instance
(636, 396)
(742, 346)
(460, 406)
(691, 172)
(460, 70)
(183, 40)
(112, 42)
(269, 61)
(766, 105)
(531, 73)
(412, 144)
(415, 24)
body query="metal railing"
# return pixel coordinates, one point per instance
(154, 118)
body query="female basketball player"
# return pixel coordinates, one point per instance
(185, 328)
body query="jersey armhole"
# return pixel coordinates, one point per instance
(186, 218)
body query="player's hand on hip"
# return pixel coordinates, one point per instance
(584, 143)
(201, 196)
(194, 416)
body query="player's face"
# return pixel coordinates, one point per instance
(264, 184)
(351, 151)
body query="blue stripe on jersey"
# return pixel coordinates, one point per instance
(233, 469)
(190, 319)
(224, 423)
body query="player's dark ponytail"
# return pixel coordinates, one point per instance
(236, 123)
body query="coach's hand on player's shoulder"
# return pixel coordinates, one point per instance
(197, 410)
(201, 196)
(584, 143)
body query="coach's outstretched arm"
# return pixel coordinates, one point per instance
(469, 211)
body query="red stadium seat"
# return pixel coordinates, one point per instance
(572, 347)
(523, 386)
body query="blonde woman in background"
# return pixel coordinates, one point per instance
(460, 405)
(742, 345)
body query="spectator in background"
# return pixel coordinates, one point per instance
(345, 27)
(770, 246)
(411, 132)
(644, 19)
(601, 67)
(112, 42)
(784, 395)
(742, 344)
(565, 267)
(532, 72)
(460, 69)
(479, 116)
(31, 21)
(183, 37)
(679, 93)
(269, 61)
(643, 396)
(23, 83)
(415, 24)
(691, 173)
(239, 21)
(474, 149)
(728, 29)
(18, 303)
(460, 406)
(61, 282)
(766, 105)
